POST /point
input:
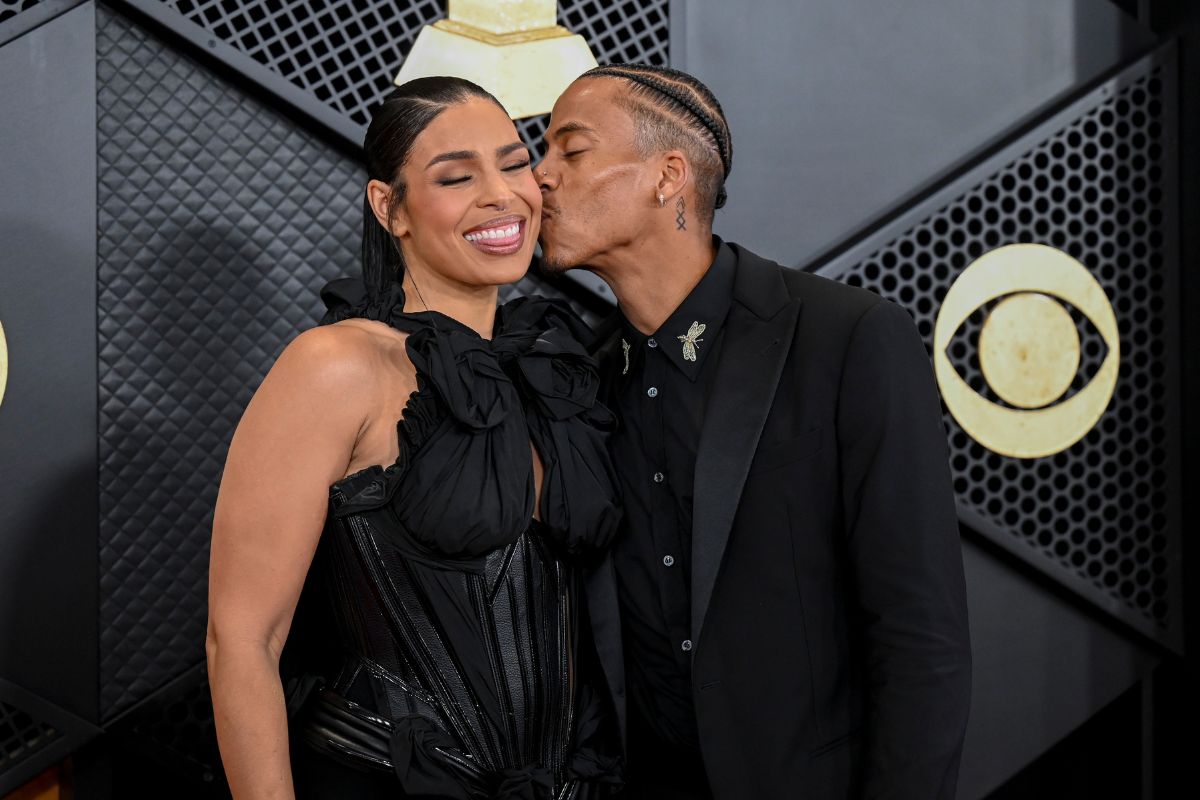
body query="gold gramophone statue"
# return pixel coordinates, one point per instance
(513, 48)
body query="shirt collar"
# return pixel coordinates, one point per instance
(689, 333)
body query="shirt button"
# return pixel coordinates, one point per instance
(651, 343)
(658, 477)
(652, 392)
(687, 645)
(668, 561)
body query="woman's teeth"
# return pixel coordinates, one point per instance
(495, 235)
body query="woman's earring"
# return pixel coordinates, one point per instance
(661, 200)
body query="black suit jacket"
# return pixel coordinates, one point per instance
(831, 657)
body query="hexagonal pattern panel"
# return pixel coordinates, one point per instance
(1100, 515)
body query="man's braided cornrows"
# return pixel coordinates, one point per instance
(687, 99)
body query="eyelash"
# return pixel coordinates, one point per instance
(465, 178)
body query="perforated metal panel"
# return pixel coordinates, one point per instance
(21, 736)
(1096, 182)
(618, 33)
(346, 53)
(10, 8)
(219, 220)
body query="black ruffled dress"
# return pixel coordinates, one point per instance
(466, 669)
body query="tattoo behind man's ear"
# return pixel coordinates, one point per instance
(680, 220)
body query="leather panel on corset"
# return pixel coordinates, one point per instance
(464, 667)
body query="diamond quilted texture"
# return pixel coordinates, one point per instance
(218, 222)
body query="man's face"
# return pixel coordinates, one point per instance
(596, 190)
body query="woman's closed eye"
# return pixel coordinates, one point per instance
(455, 180)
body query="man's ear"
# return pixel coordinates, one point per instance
(379, 195)
(674, 174)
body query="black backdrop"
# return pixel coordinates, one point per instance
(219, 139)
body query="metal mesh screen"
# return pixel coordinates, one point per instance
(21, 736)
(10, 8)
(618, 33)
(167, 746)
(218, 222)
(347, 53)
(1099, 513)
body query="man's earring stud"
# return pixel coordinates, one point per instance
(661, 200)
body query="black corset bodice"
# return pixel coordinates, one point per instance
(466, 670)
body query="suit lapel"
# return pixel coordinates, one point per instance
(601, 582)
(758, 336)
(600, 586)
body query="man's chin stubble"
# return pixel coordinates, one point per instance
(553, 267)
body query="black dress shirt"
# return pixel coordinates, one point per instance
(661, 396)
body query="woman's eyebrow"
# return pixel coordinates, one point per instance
(501, 152)
(453, 155)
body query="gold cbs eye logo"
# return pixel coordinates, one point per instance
(1028, 350)
(3, 362)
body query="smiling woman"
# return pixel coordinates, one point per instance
(418, 484)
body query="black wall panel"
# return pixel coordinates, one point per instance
(1043, 663)
(335, 60)
(219, 220)
(218, 213)
(844, 110)
(1096, 180)
(48, 563)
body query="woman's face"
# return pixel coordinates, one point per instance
(471, 211)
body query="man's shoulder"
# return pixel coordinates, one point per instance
(825, 301)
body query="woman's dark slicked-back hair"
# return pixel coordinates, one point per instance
(397, 122)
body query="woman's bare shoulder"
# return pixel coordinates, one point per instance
(353, 350)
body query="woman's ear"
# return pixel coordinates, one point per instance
(379, 195)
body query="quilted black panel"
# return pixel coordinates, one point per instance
(218, 221)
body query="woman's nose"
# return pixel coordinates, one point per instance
(497, 191)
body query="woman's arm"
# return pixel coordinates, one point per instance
(296, 438)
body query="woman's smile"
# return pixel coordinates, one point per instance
(500, 236)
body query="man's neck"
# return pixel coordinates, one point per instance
(653, 280)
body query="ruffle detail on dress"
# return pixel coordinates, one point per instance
(421, 769)
(466, 374)
(478, 405)
(428, 765)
